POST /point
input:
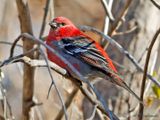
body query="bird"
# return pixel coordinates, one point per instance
(82, 52)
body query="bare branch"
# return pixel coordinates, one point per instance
(117, 21)
(93, 113)
(28, 76)
(156, 4)
(42, 63)
(9, 43)
(142, 55)
(107, 9)
(5, 102)
(145, 73)
(13, 46)
(67, 103)
(44, 18)
(122, 14)
(126, 32)
(107, 20)
(16, 58)
(54, 84)
(152, 70)
(51, 9)
(121, 49)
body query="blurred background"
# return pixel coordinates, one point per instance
(134, 25)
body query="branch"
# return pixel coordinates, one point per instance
(119, 17)
(107, 20)
(67, 103)
(115, 25)
(51, 9)
(9, 43)
(145, 73)
(28, 76)
(44, 18)
(156, 4)
(121, 49)
(4, 101)
(93, 113)
(126, 32)
(54, 84)
(16, 58)
(13, 46)
(107, 9)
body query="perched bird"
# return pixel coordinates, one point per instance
(85, 54)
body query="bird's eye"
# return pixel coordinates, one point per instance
(63, 24)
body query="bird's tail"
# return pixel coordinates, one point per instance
(115, 78)
(133, 93)
(125, 86)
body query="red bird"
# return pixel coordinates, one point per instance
(85, 54)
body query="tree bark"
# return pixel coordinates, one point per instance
(28, 77)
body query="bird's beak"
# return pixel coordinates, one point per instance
(53, 25)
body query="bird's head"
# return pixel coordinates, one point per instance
(62, 27)
(60, 22)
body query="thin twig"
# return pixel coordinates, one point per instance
(152, 70)
(101, 116)
(9, 43)
(119, 65)
(117, 21)
(37, 110)
(44, 18)
(67, 103)
(121, 49)
(156, 4)
(51, 9)
(107, 20)
(10, 109)
(122, 14)
(5, 103)
(54, 84)
(93, 113)
(142, 55)
(126, 32)
(16, 58)
(36, 56)
(107, 9)
(13, 46)
(145, 73)
(128, 97)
